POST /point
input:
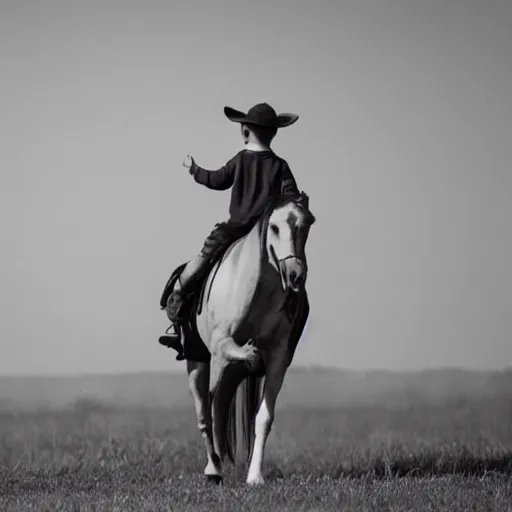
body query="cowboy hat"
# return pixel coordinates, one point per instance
(261, 114)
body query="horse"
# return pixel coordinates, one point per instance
(250, 316)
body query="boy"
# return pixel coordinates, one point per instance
(256, 174)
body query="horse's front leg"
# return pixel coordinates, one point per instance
(199, 384)
(275, 371)
(224, 345)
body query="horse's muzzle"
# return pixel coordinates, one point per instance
(292, 273)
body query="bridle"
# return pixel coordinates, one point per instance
(280, 263)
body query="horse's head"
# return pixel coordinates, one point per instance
(285, 232)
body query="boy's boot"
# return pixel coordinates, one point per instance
(172, 336)
(172, 339)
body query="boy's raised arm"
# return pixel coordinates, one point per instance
(220, 179)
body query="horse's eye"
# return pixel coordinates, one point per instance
(275, 229)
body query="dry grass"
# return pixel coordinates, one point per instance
(452, 455)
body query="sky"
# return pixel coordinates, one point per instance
(404, 145)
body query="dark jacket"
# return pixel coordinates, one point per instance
(255, 177)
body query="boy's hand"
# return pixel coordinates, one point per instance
(188, 161)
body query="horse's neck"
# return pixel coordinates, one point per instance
(245, 294)
(257, 276)
(244, 276)
(244, 260)
(255, 299)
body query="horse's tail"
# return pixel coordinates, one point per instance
(235, 403)
(242, 413)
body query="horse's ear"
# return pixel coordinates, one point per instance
(303, 199)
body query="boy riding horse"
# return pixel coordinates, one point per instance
(256, 174)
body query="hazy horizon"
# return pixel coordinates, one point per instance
(305, 387)
(404, 145)
(295, 367)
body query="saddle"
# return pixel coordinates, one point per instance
(194, 348)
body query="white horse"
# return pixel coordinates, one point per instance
(250, 317)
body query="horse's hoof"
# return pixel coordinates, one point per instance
(216, 479)
(254, 482)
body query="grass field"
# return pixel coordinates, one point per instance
(407, 448)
